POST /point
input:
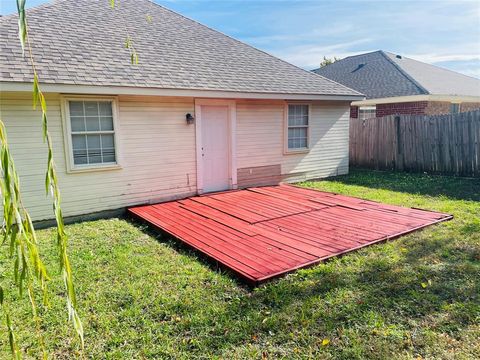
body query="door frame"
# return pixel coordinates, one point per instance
(232, 143)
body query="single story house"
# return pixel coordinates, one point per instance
(201, 112)
(396, 85)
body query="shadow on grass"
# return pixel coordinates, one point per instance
(379, 295)
(183, 248)
(379, 291)
(421, 184)
(375, 298)
(367, 299)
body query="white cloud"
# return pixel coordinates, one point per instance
(309, 56)
(336, 29)
(438, 58)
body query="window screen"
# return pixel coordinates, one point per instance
(367, 113)
(298, 127)
(92, 131)
(454, 108)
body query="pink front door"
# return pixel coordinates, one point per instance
(215, 148)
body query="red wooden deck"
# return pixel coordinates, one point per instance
(261, 233)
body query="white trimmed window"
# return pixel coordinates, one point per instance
(454, 108)
(297, 127)
(367, 112)
(92, 133)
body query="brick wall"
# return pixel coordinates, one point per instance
(354, 112)
(437, 108)
(415, 107)
(464, 107)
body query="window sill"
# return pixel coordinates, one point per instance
(80, 169)
(293, 152)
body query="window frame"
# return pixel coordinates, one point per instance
(286, 149)
(456, 106)
(367, 108)
(67, 134)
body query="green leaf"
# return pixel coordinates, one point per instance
(43, 103)
(22, 23)
(44, 126)
(112, 4)
(16, 266)
(13, 238)
(77, 324)
(134, 58)
(6, 165)
(36, 91)
(1, 295)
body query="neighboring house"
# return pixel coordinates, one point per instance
(201, 112)
(394, 84)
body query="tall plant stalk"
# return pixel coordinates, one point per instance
(18, 230)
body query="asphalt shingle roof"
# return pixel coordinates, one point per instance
(381, 74)
(437, 80)
(82, 42)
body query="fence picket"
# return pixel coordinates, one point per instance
(448, 144)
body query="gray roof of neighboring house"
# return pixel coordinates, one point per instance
(381, 74)
(82, 42)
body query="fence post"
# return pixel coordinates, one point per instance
(399, 149)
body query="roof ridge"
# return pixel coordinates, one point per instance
(349, 57)
(250, 46)
(404, 73)
(367, 53)
(434, 66)
(219, 61)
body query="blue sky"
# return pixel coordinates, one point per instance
(440, 32)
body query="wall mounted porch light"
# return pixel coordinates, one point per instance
(190, 119)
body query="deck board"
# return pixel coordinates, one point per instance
(262, 233)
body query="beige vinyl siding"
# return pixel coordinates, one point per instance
(328, 155)
(260, 139)
(259, 133)
(157, 150)
(157, 155)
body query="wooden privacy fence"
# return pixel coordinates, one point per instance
(446, 144)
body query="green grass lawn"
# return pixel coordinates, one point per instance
(144, 296)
